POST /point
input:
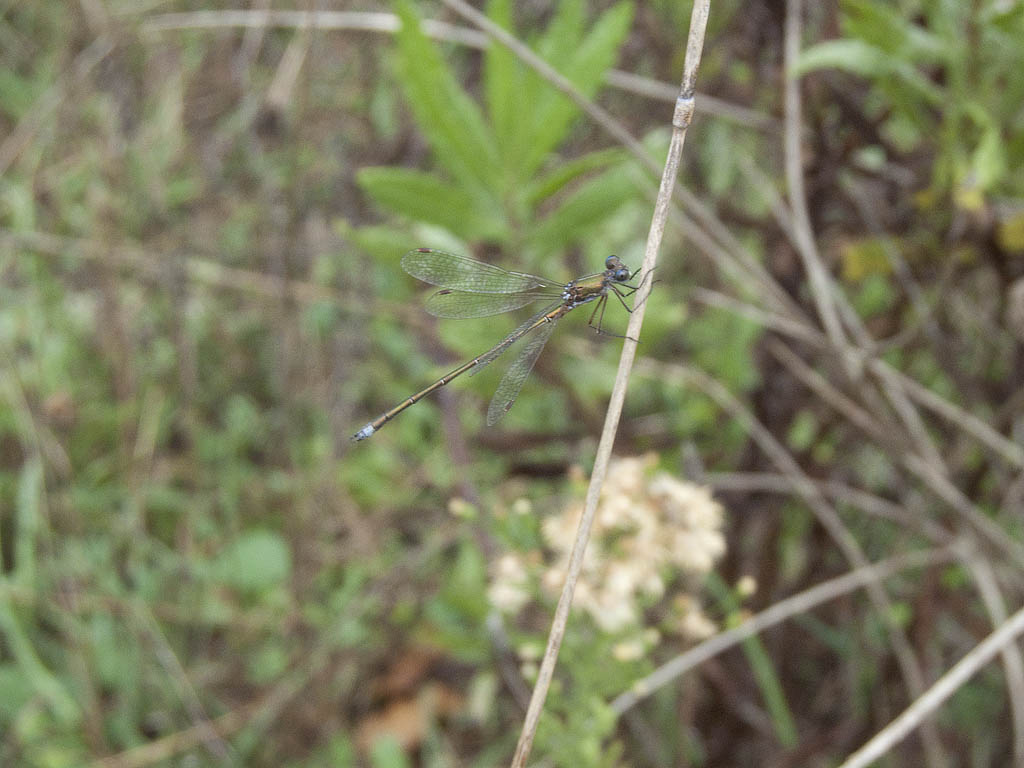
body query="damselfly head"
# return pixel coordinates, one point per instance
(616, 270)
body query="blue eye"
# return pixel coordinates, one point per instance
(610, 262)
(622, 275)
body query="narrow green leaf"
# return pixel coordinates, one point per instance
(48, 687)
(563, 33)
(866, 60)
(553, 112)
(448, 117)
(424, 197)
(854, 56)
(30, 489)
(988, 161)
(585, 208)
(505, 89)
(884, 27)
(551, 183)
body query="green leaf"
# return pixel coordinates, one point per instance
(504, 85)
(854, 56)
(382, 244)
(988, 161)
(585, 208)
(254, 562)
(563, 34)
(27, 523)
(448, 117)
(551, 183)
(861, 58)
(386, 752)
(552, 112)
(883, 26)
(17, 93)
(424, 197)
(47, 686)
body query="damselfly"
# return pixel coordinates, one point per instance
(471, 288)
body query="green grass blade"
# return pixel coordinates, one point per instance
(42, 680)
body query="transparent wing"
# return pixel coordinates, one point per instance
(463, 274)
(492, 354)
(516, 374)
(450, 303)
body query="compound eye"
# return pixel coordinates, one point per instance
(622, 275)
(610, 262)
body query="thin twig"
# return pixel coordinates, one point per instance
(389, 23)
(680, 121)
(995, 605)
(821, 287)
(946, 686)
(827, 516)
(925, 471)
(1010, 451)
(36, 116)
(154, 264)
(979, 567)
(796, 605)
(771, 482)
(788, 223)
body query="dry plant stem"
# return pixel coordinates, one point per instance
(680, 121)
(208, 735)
(895, 394)
(995, 605)
(796, 605)
(821, 287)
(827, 517)
(926, 472)
(980, 569)
(349, 20)
(826, 295)
(946, 686)
(371, 21)
(1010, 451)
(168, 746)
(279, 94)
(771, 482)
(21, 136)
(46, 444)
(154, 265)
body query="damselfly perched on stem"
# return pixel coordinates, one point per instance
(471, 288)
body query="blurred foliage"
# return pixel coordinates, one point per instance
(971, 107)
(201, 297)
(501, 169)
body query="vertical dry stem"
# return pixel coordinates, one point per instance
(680, 121)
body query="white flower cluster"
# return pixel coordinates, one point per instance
(647, 530)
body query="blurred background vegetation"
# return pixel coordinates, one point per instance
(201, 222)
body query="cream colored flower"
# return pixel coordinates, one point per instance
(508, 591)
(645, 531)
